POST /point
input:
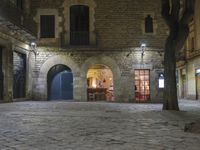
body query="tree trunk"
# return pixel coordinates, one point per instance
(177, 18)
(170, 92)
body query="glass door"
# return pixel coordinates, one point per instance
(142, 85)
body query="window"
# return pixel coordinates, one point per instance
(79, 25)
(192, 44)
(161, 81)
(148, 24)
(47, 26)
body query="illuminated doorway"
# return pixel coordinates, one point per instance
(100, 83)
(142, 85)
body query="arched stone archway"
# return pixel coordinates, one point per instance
(40, 90)
(103, 60)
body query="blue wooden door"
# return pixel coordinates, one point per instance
(62, 86)
(67, 85)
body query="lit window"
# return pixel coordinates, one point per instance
(161, 81)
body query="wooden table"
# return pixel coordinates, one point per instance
(96, 94)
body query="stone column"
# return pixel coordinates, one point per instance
(30, 68)
(80, 89)
(8, 73)
(125, 87)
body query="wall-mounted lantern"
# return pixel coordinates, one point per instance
(33, 48)
(143, 46)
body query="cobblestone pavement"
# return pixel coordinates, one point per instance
(96, 126)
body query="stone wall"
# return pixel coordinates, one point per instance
(121, 65)
(188, 86)
(117, 26)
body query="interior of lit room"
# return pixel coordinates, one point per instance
(142, 86)
(100, 83)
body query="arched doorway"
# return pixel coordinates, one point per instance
(60, 83)
(100, 83)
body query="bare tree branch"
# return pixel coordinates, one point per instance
(181, 37)
(166, 11)
(175, 10)
(178, 21)
(183, 31)
(189, 12)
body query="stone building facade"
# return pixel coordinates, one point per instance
(17, 30)
(125, 36)
(188, 68)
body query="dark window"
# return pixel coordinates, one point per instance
(148, 24)
(192, 44)
(47, 26)
(79, 25)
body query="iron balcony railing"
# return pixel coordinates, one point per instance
(79, 38)
(10, 12)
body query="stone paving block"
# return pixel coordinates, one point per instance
(96, 126)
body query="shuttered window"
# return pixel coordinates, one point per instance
(47, 26)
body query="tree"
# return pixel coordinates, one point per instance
(177, 15)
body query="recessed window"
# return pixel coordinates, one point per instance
(79, 25)
(148, 24)
(192, 44)
(47, 26)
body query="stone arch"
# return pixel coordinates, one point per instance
(41, 81)
(103, 60)
(91, 4)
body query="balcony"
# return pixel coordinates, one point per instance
(15, 19)
(79, 38)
